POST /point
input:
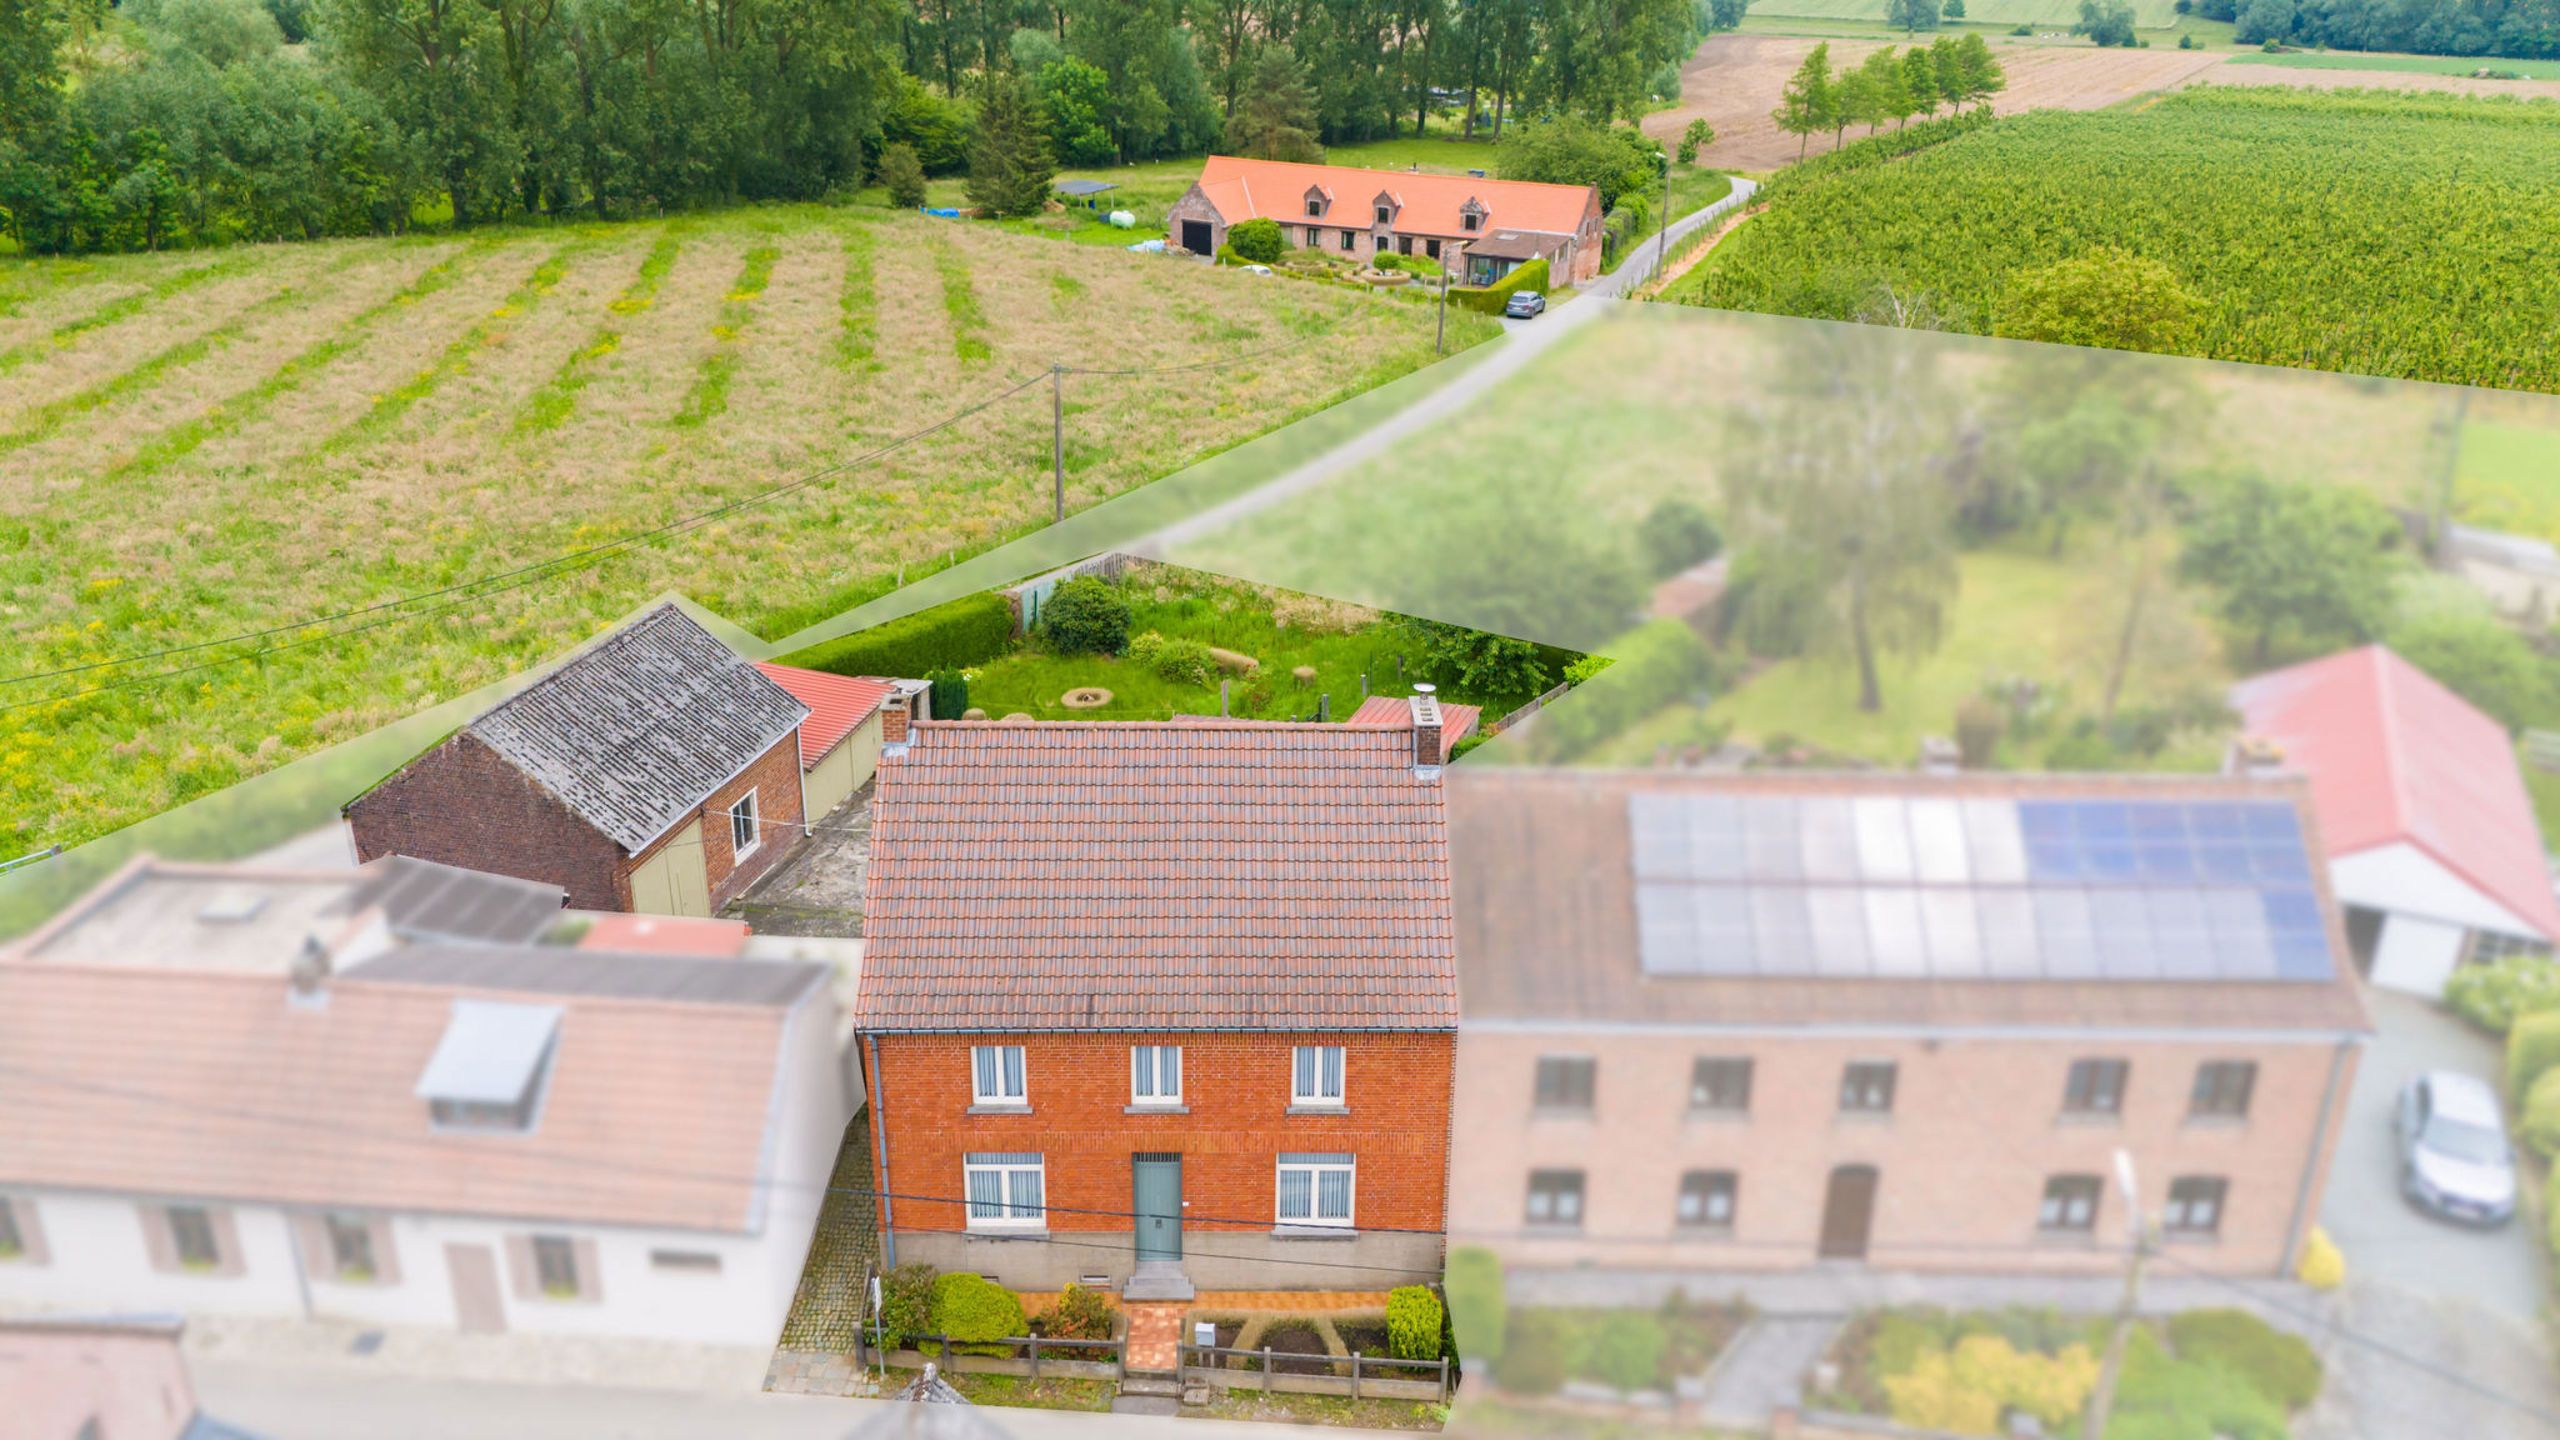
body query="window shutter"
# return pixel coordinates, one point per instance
(156, 1239)
(590, 1280)
(522, 1276)
(386, 1253)
(311, 1242)
(226, 1241)
(30, 1231)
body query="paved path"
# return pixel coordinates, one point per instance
(1639, 267)
(1765, 1367)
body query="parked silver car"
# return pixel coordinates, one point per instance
(2454, 1157)
(1525, 305)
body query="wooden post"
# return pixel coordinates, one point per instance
(946, 1353)
(1035, 1357)
(1355, 1374)
(1266, 1369)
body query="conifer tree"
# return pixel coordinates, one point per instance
(1010, 166)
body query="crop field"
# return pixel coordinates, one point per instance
(2053, 14)
(204, 445)
(2406, 64)
(2407, 236)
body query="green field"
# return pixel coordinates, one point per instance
(2045, 14)
(2405, 64)
(198, 445)
(2398, 235)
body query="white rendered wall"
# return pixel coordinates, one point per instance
(2416, 955)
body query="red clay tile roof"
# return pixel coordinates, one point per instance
(2393, 755)
(1457, 721)
(665, 935)
(1427, 204)
(163, 1081)
(1070, 876)
(837, 703)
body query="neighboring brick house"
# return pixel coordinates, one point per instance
(1754, 1022)
(656, 771)
(1491, 226)
(1177, 998)
(380, 1097)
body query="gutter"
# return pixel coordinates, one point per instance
(880, 1186)
(2329, 1104)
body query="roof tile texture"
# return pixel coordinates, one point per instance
(837, 703)
(1425, 204)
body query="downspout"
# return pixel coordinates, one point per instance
(2293, 1234)
(880, 1153)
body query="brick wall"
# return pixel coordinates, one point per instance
(1976, 1130)
(463, 804)
(775, 777)
(1236, 1089)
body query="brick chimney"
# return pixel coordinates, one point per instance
(1427, 750)
(893, 722)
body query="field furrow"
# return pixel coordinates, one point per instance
(123, 303)
(709, 396)
(858, 302)
(557, 397)
(960, 302)
(626, 393)
(103, 354)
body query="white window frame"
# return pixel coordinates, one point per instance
(1012, 1211)
(746, 813)
(1018, 1074)
(1147, 1067)
(1315, 1168)
(1705, 1194)
(1338, 1072)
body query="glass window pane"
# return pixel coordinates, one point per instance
(986, 1191)
(1333, 1072)
(985, 1056)
(1024, 1189)
(1013, 1072)
(1305, 1081)
(1297, 1190)
(1333, 1194)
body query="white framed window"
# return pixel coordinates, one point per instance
(1706, 1199)
(1315, 1076)
(995, 1075)
(745, 834)
(1555, 1198)
(1005, 1191)
(1155, 1074)
(1316, 1190)
(350, 1246)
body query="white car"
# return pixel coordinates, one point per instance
(2454, 1157)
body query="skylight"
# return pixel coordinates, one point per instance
(489, 1070)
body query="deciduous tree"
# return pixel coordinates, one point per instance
(1810, 100)
(2312, 561)
(2105, 297)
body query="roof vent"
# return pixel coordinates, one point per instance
(2254, 757)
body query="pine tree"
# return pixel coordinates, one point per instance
(1275, 118)
(1010, 166)
(1810, 98)
(903, 173)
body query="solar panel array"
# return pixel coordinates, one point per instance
(1913, 887)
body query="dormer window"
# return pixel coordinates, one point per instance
(1319, 200)
(1386, 205)
(1386, 214)
(1471, 216)
(492, 1067)
(1314, 206)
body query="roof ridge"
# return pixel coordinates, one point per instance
(611, 639)
(2387, 707)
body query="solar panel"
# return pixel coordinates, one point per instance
(1932, 886)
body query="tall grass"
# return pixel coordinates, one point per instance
(557, 400)
(860, 303)
(389, 406)
(122, 306)
(45, 419)
(709, 396)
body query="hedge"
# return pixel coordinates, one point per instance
(1656, 664)
(1477, 1310)
(2533, 1047)
(2282, 1367)
(974, 1308)
(954, 635)
(2492, 996)
(1413, 1322)
(2540, 1127)
(1489, 299)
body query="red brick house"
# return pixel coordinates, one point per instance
(1161, 1004)
(656, 772)
(1494, 226)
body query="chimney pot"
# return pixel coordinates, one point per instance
(2255, 757)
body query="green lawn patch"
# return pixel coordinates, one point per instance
(2405, 64)
(2508, 478)
(1446, 154)
(1323, 1410)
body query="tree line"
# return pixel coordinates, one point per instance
(153, 123)
(1888, 85)
(2527, 29)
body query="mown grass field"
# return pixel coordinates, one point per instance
(2056, 14)
(2405, 64)
(198, 445)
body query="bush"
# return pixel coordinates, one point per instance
(2321, 1267)
(2166, 1399)
(2533, 1047)
(1625, 1352)
(1677, 534)
(1257, 240)
(2492, 996)
(958, 633)
(1978, 726)
(1489, 299)
(1476, 1307)
(1658, 663)
(1533, 1355)
(1413, 1322)
(1080, 1314)
(2279, 1366)
(975, 1309)
(903, 173)
(950, 692)
(1966, 1389)
(2539, 1127)
(1182, 661)
(1697, 137)
(2086, 750)
(906, 1304)
(1086, 615)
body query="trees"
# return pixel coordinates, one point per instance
(1072, 96)
(1879, 92)
(1920, 81)
(1010, 166)
(1620, 159)
(1275, 117)
(903, 174)
(1810, 100)
(2106, 22)
(1978, 71)
(2312, 561)
(2105, 297)
(1912, 15)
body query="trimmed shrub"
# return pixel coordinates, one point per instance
(1489, 299)
(1677, 534)
(2533, 1047)
(1476, 1307)
(1413, 1322)
(2322, 1266)
(1659, 662)
(1626, 1350)
(2540, 1127)
(2492, 996)
(906, 1303)
(975, 1309)
(1086, 615)
(1080, 1314)
(1257, 240)
(955, 634)
(1180, 660)
(2279, 1366)
(950, 693)
(1533, 1356)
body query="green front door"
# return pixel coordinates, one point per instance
(1158, 1188)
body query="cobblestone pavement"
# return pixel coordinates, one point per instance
(818, 890)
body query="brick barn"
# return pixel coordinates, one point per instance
(1162, 1004)
(1482, 228)
(655, 772)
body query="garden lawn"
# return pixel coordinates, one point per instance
(2508, 478)
(315, 429)
(2016, 613)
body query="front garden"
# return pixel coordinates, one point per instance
(2217, 1374)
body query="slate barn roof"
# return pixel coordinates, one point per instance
(1075, 876)
(633, 734)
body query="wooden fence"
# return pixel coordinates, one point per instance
(1027, 1361)
(1205, 1364)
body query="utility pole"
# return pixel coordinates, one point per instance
(1058, 440)
(1440, 342)
(2102, 1398)
(1662, 240)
